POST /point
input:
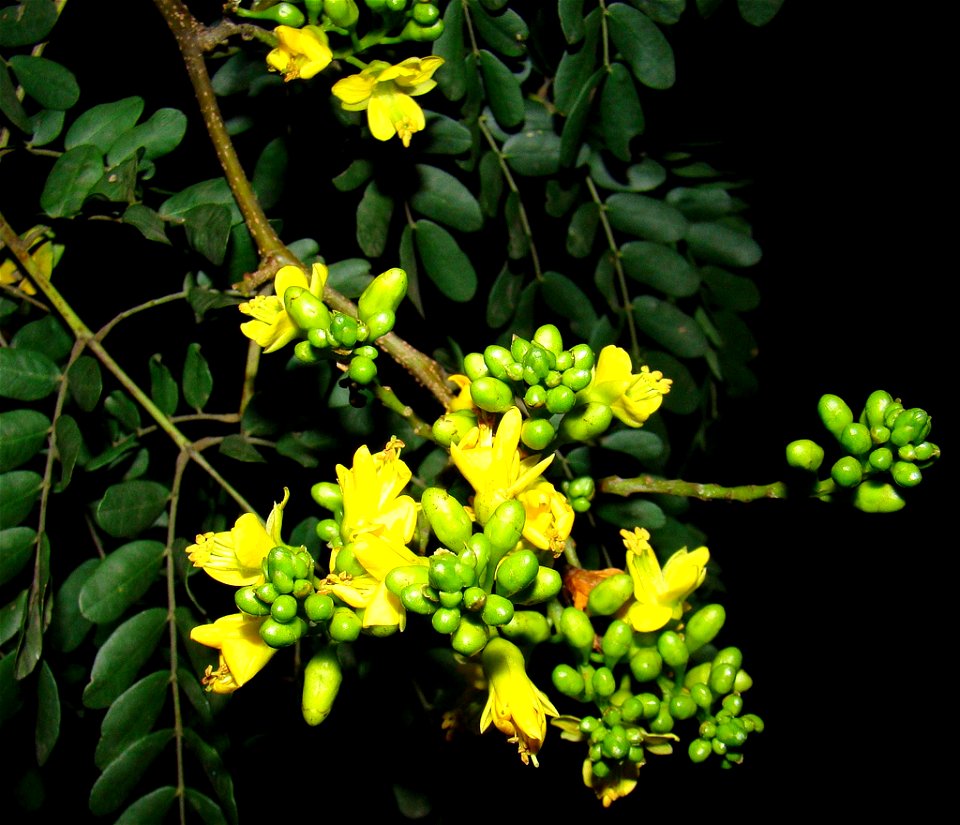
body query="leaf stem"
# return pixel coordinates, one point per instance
(689, 489)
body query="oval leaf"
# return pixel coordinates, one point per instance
(116, 783)
(18, 492)
(128, 508)
(659, 266)
(621, 116)
(373, 220)
(759, 12)
(564, 297)
(68, 627)
(120, 580)
(163, 387)
(641, 444)
(69, 443)
(131, 716)
(53, 86)
(445, 199)
(685, 395)
(506, 32)
(722, 245)
(503, 90)
(634, 513)
(26, 23)
(101, 125)
(159, 135)
(646, 217)
(670, 327)
(643, 46)
(535, 152)
(445, 262)
(72, 178)
(46, 336)
(27, 375)
(16, 549)
(149, 809)
(22, 434)
(503, 297)
(85, 382)
(48, 713)
(197, 378)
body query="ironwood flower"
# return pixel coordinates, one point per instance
(272, 327)
(301, 53)
(243, 652)
(631, 397)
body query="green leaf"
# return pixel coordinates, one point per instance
(241, 73)
(759, 12)
(354, 176)
(120, 580)
(659, 266)
(131, 716)
(270, 172)
(503, 90)
(570, 146)
(565, 298)
(197, 378)
(73, 176)
(685, 395)
(10, 104)
(150, 809)
(491, 183)
(215, 770)
(69, 443)
(571, 19)
(22, 434)
(208, 810)
(158, 136)
(123, 409)
(408, 263)
(303, 447)
(643, 445)
(534, 153)
(147, 220)
(667, 12)
(641, 177)
(118, 184)
(68, 628)
(101, 125)
(701, 203)
(18, 492)
(445, 136)
(31, 642)
(731, 291)
(669, 327)
(350, 276)
(16, 549)
(373, 220)
(122, 655)
(576, 66)
(621, 116)
(583, 229)
(53, 86)
(451, 77)
(130, 507)
(12, 616)
(46, 336)
(194, 691)
(629, 514)
(643, 46)
(237, 447)
(117, 782)
(445, 262)
(11, 696)
(208, 230)
(503, 297)
(518, 242)
(26, 23)
(48, 713)
(445, 199)
(47, 124)
(506, 32)
(645, 217)
(216, 191)
(163, 386)
(722, 245)
(85, 382)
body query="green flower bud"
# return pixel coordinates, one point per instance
(505, 526)
(755, 721)
(663, 723)
(610, 594)
(305, 309)
(722, 677)
(321, 682)
(497, 359)
(246, 600)
(383, 294)
(497, 610)
(576, 378)
(362, 369)
(729, 656)
(583, 356)
(700, 673)
(319, 339)
(474, 598)
(286, 14)
(547, 583)
(343, 330)
(701, 695)
(876, 407)
(474, 366)
(537, 433)
(855, 438)
(604, 682)
(450, 428)
(538, 361)
(548, 337)
(673, 649)
(703, 626)
(906, 474)
(846, 471)
(834, 413)
(319, 607)
(616, 642)
(877, 497)
(345, 625)
(535, 396)
(448, 519)
(564, 360)
(400, 577)
(646, 664)
(471, 635)
(267, 592)
(910, 425)
(682, 706)
(515, 571)
(568, 681)
(560, 400)
(448, 599)
(734, 703)
(342, 13)
(420, 598)
(880, 435)
(577, 629)
(443, 572)
(526, 627)
(699, 750)
(425, 13)
(732, 734)
(278, 634)
(805, 454)
(347, 561)
(491, 394)
(927, 450)
(284, 609)
(328, 495)
(881, 458)
(422, 34)
(446, 620)
(305, 353)
(587, 422)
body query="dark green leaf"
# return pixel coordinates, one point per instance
(722, 245)
(570, 146)
(208, 230)
(759, 12)
(605, 279)
(122, 655)
(560, 199)
(131, 716)
(47, 125)
(123, 409)
(270, 172)
(583, 229)
(518, 241)
(565, 298)
(408, 263)
(643, 445)
(373, 220)
(197, 378)
(445, 136)
(85, 382)
(350, 276)
(708, 7)
(684, 396)
(69, 445)
(117, 782)
(74, 174)
(669, 327)
(645, 217)
(12, 616)
(303, 447)
(118, 184)
(571, 19)
(208, 810)
(216, 190)
(659, 266)
(53, 86)
(16, 549)
(194, 691)
(11, 698)
(120, 580)
(667, 12)
(10, 104)
(641, 177)
(731, 291)
(445, 199)
(149, 809)
(68, 627)
(445, 262)
(158, 136)
(163, 386)
(237, 447)
(354, 176)
(149, 223)
(491, 183)
(503, 90)
(31, 642)
(242, 255)
(18, 492)
(533, 153)
(701, 203)
(506, 33)
(451, 76)
(130, 507)
(46, 336)
(215, 770)
(48, 713)
(629, 514)
(643, 46)
(22, 434)
(112, 455)
(503, 297)
(101, 125)
(577, 66)
(26, 23)
(241, 73)
(621, 116)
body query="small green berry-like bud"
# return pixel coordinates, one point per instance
(247, 601)
(491, 394)
(547, 583)
(876, 406)
(497, 610)
(568, 681)
(505, 526)
(587, 422)
(877, 497)
(527, 627)
(537, 433)
(576, 628)
(855, 438)
(805, 454)
(703, 626)
(846, 471)
(515, 571)
(305, 309)
(881, 458)
(673, 649)
(319, 607)
(446, 620)
(470, 636)
(448, 519)
(345, 625)
(284, 609)
(699, 750)
(834, 413)
(906, 473)
(321, 682)
(610, 594)
(646, 664)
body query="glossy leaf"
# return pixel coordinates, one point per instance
(643, 445)
(659, 266)
(125, 651)
(759, 12)
(451, 76)
(303, 447)
(47, 125)
(491, 183)
(85, 382)
(731, 291)
(216, 191)
(48, 713)
(208, 810)
(17, 546)
(621, 116)
(214, 768)
(163, 386)
(533, 153)
(443, 198)
(503, 90)
(117, 782)
(123, 409)
(571, 19)
(120, 580)
(641, 177)
(685, 394)
(569, 301)
(667, 12)
(130, 507)
(354, 176)
(643, 45)
(350, 276)
(69, 443)
(505, 33)
(11, 694)
(636, 512)
(197, 378)
(10, 104)
(53, 86)
(19, 490)
(101, 125)
(577, 65)
(73, 176)
(445, 136)
(670, 327)
(237, 447)
(408, 263)
(27, 22)
(645, 217)
(22, 434)
(12, 616)
(719, 244)
(373, 220)
(196, 694)
(583, 229)
(131, 716)
(701, 203)
(46, 336)
(570, 145)
(31, 641)
(149, 809)
(157, 136)
(68, 627)
(270, 172)
(503, 297)
(208, 230)
(445, 262)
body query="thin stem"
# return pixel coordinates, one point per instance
(689, 489)
(105, 330)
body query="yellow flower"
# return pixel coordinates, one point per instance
(271, 326)
(302, 52)
(549, 517)
(378, 522)
(492, 463)
(621, 780)
(387, 93)
(463, 400)
(632, 398)
(242, 650)
(660, 594)
(43, 258)
(516, 705)
(234, 557)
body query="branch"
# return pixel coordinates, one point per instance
(690, 489)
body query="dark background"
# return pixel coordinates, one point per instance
(844, 619)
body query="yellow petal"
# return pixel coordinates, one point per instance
(354, 90)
